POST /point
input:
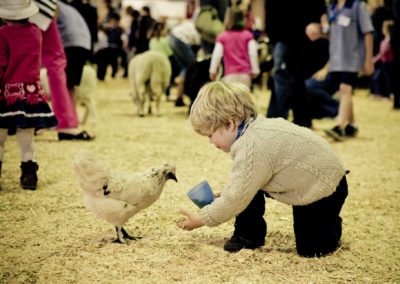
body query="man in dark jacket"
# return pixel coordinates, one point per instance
(286, 22)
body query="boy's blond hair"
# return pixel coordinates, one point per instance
(217, 103)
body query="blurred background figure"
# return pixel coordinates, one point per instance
(381, 81)
(290, 42)
(350, 51)
(395, 44)
(76, 39)
(209, 22)
(110, 54)
(383, 12)
(238, 49)
(146, 23)
(184, 41)
(159, 42)
(54, 60)
(89, 14)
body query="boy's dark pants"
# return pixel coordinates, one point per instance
(250, 224)
(317, 226)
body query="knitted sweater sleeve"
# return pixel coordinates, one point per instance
(249, 174)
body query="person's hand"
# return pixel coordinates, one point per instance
(213, 76)
(368, 67)
(190, 222)
(320, 75)
(313, 31)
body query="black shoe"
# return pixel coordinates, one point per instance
(236, 244)
(350, 130)
(336, 133)
(80, 136)
(29, 177)
(179, 102)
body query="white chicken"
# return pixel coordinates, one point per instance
(117, 196)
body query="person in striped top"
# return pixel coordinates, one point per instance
(350, 51)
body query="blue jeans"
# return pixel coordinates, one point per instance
(381, 81)
(183, 53)
(288, 88)
(321, 96)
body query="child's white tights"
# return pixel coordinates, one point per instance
(25, 142)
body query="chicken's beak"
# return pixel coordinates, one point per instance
(171, 175)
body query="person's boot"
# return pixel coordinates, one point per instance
(250, 227)
(235, 244)
(28, 175)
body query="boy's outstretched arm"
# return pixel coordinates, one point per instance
(190, 222)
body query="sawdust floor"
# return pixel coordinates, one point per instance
(48, 236)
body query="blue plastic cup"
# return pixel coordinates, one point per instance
(201, 194)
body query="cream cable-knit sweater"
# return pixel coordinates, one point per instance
(293, 164)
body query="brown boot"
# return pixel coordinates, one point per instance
(28, 175)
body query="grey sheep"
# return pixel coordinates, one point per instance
(149, 75)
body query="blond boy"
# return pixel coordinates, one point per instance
(273, 158)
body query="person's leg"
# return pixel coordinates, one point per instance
(102, 63)
(124, 61)
(250, 226)
(387, 79)
(26, 144)
(29, 167)
(318, 226)
(3, 138)
(376, 80)
(114, 54)
(54, 60)
(346, 118)
(346, 105)
(184, 55)
(321, 101)
(75, 69)
(283, 91)
(301, 103)
(300, 100)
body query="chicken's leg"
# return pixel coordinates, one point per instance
(122, 234)
(127, 236)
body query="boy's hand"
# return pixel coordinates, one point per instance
(192, 221)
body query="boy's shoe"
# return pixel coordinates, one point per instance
(336, 133)
(29, 177)
(236, 244)
(350, 130)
